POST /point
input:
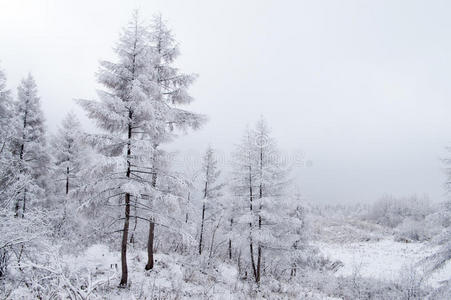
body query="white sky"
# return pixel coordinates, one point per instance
(361, 88)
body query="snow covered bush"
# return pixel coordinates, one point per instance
(412, 230)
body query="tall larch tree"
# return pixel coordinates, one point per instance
(68, 155)
(7, 132)
(271, 184)
(6, 114)
(260, 175)
(30, 146)
(210, 190)
(171, 92)
(244, 184)
(126, 115)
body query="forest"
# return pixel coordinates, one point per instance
(106, 214)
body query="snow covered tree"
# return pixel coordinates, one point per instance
(244, 185)
(138, 113)
(30, 146)
(6, 114)
(68, 154)
(7, 132)
(6, 165)
(210, 174)
(272, 180)
(260, 176)
(128, 119)
(171, 91)
(69, 158)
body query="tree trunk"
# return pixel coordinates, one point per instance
(149, 265)
(187, 216)
(203, 211)
(132, 236)
(67, 180)
(21, 154)
(259, 253)
(213, 238)
(251, 243)
(254, 270)
(260, 194)
(24, 202)
(202, 228)
(230, 240)
(150, 250)
(17, 207)
(124, 277)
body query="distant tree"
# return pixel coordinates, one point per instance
(244, 184)
(210, 190)
(261, 176)
(68, 153)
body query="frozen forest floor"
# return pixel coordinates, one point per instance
(370, 264)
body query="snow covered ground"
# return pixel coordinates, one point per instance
(384, 259)
(380, 259)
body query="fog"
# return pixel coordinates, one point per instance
(357, 92)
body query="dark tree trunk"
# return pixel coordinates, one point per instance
(24, 202)
(149, 265)
(150, 250)
(203, 209)
(251, 243)
(230, 240)
(254, 270)
(67, 180)
(260, 195)
(21, 154)
(202, 228)
(124, 277)
(259, 253)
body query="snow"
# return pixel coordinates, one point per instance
(384, 259)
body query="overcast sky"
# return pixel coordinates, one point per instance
(361, 89)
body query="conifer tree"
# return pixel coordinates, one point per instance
(129, 120)
(6, 114)
(171, 91)
(68, 154)
(30, 146)
(210, 189)
(7, 132)
(260, 175)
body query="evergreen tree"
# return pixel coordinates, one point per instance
(211, 190)
(129, 120)
(30, 147)
(69, 154)
(260, 176)
(243, 184)
(7, 132)
(6, 115)
(171, 91)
